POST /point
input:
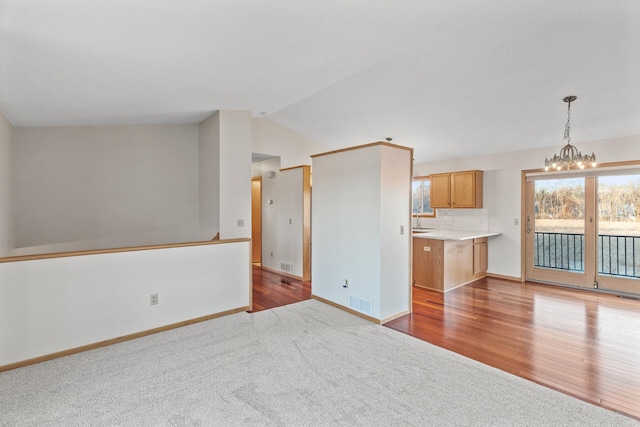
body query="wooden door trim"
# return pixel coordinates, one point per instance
(254, 244)
(306, 222)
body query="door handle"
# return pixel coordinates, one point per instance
(528, 225)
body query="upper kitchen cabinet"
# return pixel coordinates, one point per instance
(457, 190)
(441, 190)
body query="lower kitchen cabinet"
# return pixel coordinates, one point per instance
(480, 256)
(447, 264)
(428, 257)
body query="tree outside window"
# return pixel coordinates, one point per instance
(421, 197)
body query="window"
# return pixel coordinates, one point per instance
(421, 197)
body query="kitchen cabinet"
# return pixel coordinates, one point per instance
(447, 264)
(457, 189)
(440, 196)
(480, 257)
(428, 255)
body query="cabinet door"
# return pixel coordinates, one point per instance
(427, 263)
(420, 263)
(463, 189)
(466, 189)
(441, 190)
(480, 258)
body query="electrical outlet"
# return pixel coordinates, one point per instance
(345, 283)
(241, 223)
(153, 299)
(271, 254)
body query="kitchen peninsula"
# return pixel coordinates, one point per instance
(446, 259)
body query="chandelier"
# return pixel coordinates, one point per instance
(569, 155)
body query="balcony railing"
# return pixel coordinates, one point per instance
(617, 255)
(564, 251)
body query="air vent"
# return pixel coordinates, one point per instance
(359, 304)
(286, 267)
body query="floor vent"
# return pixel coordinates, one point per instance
(359, 304)
(286, 267)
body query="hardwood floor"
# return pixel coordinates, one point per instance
(274, 290)
(585, 344)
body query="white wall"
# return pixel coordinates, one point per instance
(209, 176)
(361, 198)
(270, 214)
(289, 223)
(235, 173)
(395, 251)
(6, 187)
(293, 148)
(225, 175)
(279, 237)
(346, 226)
(52, 305)
(502, 191)
(138, 183)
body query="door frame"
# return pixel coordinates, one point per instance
(618, 284)
(256, 222)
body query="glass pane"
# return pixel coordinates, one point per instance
(619, 226)
(559, 224)
(426, 197)
(417, 197)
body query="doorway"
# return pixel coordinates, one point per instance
(256, 220)
(584, 231)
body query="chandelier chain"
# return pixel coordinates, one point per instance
(567, 127)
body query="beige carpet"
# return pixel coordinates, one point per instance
(303, 364)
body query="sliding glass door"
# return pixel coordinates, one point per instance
(618, 259)
(556, 231)
(584, 231)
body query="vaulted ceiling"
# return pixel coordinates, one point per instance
(449, 78)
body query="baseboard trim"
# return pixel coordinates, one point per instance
(282, 273)
(347, 309)
(395, 316)
(112, 341)
(502, 276)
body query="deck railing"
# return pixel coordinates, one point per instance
(617, 255)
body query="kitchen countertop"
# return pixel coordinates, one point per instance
(439, 234)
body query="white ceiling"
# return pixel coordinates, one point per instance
(449, 78)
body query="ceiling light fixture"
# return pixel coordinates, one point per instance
(569, 155)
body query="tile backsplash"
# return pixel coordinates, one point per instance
(456, 219)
